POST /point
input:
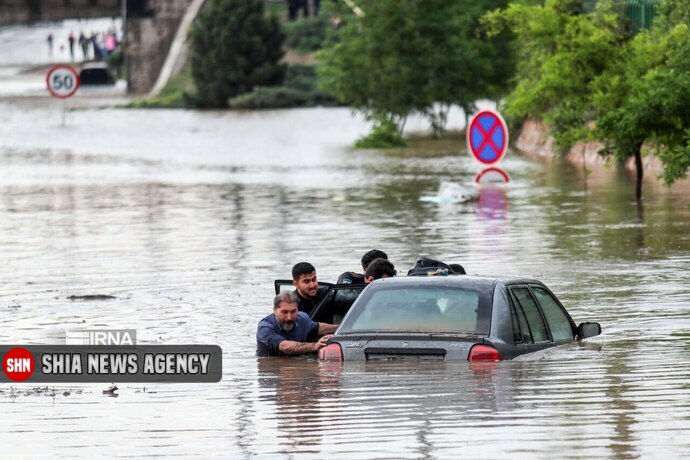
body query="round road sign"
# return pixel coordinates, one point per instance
(487, 137)
(62, 81)
(492, 176)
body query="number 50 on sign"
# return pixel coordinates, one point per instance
(62, 81)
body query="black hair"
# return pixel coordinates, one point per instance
(457, 269)
(369, 256)
(302, 268)
(379, 267)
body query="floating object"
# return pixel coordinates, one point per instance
(451, 192)
(111, 390)
(92, 297)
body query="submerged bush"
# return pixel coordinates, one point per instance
(299, 90)
(385, 135)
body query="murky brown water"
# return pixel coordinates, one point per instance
(188, 217)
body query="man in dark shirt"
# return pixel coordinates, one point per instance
(289, 331)
(358, 278)
(379, 268)
(307, 291)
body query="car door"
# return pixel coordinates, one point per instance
(336, 303)
(530, 330)
(286, 285)
(561, 326)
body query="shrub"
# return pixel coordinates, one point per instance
(299, 90)
(234, 48)
(308, 34)
(385, 135)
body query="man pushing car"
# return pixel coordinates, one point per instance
(289, 331)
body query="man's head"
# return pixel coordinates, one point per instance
(369, 256)
(285, 309)
(304, 279)
(379, 268)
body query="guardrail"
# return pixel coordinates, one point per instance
(640, 12)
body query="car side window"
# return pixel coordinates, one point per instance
(521, 332)
(534, 318)
(561, 328)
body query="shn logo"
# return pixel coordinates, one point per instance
(101, 337)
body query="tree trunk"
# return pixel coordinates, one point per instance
(640, 172)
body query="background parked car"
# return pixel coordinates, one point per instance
(96, 73)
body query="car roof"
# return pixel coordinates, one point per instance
(467, 281)
(95, 65)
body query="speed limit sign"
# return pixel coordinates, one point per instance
(62, 81)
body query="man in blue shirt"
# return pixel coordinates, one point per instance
(289, 331)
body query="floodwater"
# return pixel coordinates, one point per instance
(187, 218)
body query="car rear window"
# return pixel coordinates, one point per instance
(422, 309)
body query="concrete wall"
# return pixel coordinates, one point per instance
(148, 42)
(22, 11)
(535, 139)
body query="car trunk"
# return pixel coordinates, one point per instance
(380, 347)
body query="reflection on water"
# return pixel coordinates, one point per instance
(187, 222)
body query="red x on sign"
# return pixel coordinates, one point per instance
(487, 137)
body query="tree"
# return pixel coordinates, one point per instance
(587, 77)
(407, 56)
(645, 99)
(234, 47)
(561, 51)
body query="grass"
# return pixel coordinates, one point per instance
(172, 96)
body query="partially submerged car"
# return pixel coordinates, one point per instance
(468, 318)
(96, 73)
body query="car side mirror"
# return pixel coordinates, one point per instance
(585, 330)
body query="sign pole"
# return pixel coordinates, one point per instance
(62, 82)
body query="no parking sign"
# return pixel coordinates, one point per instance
(487, 137)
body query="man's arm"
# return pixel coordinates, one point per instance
(290, 347)
(325, 328)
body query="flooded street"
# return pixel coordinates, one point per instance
(186, 218)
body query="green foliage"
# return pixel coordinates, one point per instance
(384, 135)
(234, 47)
(270, 98)
(177, 94)
(116, 61)
(645, 99)
(561, 51)
(307, 35)
(299, 90)
(407, 56)
(673, 12)
(302, 77)
(587, 77)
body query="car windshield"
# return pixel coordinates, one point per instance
(421, 309)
